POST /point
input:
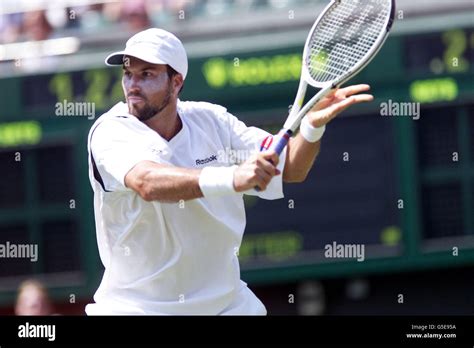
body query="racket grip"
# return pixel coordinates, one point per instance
(284, 137)
(283, 141)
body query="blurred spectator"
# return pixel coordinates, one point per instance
(165, 11)
(91, 18)
(36, 26)
(10, 27)
(134, 14)
(33, 299)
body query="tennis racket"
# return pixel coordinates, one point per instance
(344, 39)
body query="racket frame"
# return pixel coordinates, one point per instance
(297, 112)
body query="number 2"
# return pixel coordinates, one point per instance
(456, 46)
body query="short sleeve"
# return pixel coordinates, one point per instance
(245, 141)
(115, 149)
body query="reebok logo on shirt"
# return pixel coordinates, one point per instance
(206, 160)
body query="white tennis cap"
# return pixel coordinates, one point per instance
(155, 46)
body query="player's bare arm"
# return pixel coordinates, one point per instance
(165, 183)
(301, 154)
(160, 182)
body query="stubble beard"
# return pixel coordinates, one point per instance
(148, 111)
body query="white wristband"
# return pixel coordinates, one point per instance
(217, 181)
(310, 133)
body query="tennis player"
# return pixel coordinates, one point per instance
(168, 206)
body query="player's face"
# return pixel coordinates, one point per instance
(147, 88)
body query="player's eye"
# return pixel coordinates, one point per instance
(147, 74)
(127, 73)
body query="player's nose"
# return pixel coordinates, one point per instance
(134, 83)
(133, 88)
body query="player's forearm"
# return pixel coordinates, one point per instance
(300, 158)
(156, 182)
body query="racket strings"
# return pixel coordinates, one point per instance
(347, 53)
(344, 36)
(337, 60)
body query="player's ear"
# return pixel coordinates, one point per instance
(178, 83)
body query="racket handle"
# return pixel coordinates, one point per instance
(284, 137)
(283, 141)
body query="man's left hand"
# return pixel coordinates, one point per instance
(336, 102)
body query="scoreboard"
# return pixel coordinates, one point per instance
(401, 188)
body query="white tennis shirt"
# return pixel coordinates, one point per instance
(171, 258)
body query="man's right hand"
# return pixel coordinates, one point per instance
(257, 170)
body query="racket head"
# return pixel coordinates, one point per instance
(344, 39)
